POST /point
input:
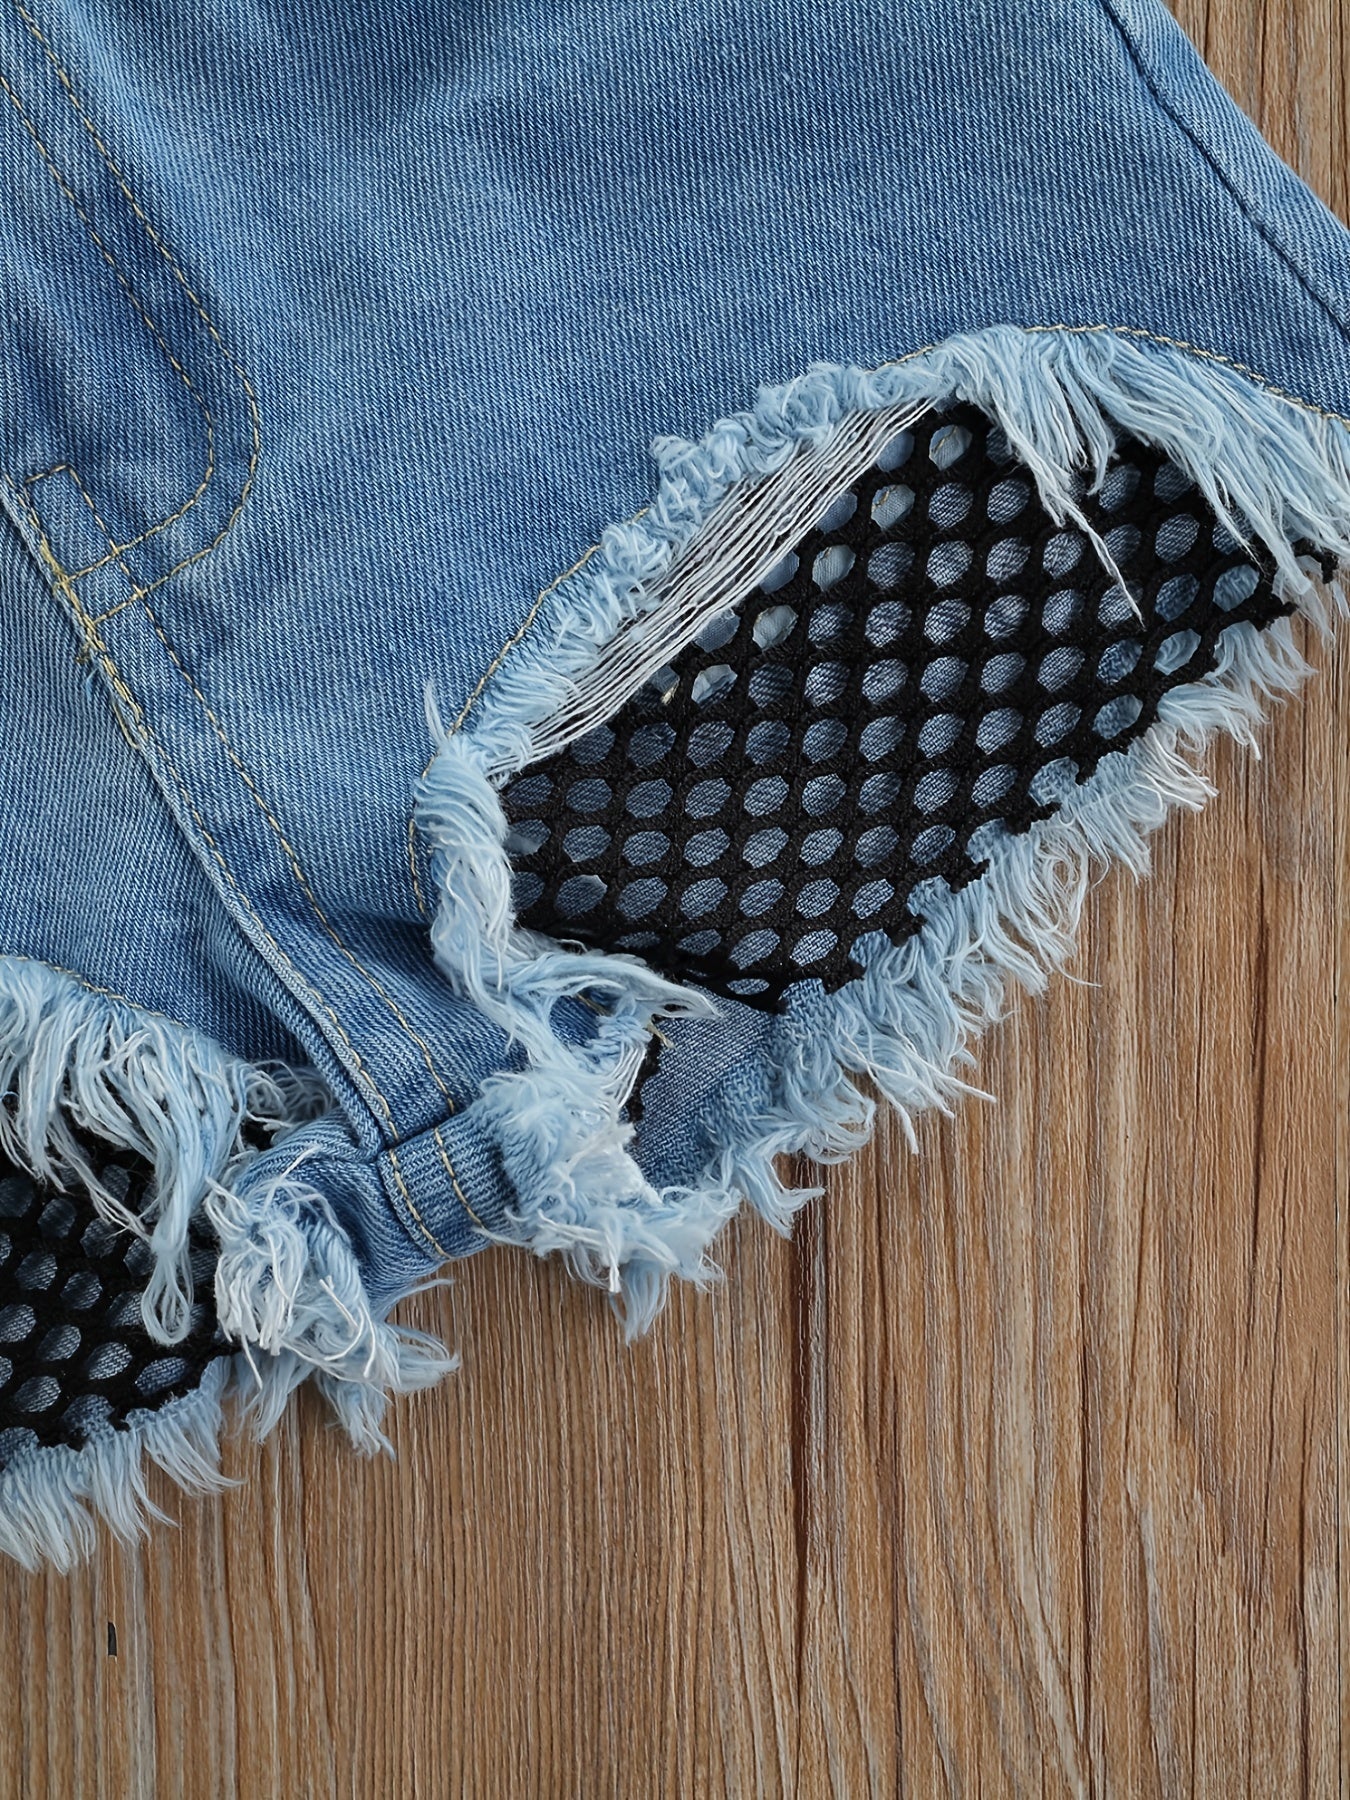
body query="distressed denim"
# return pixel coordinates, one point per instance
(370, 377)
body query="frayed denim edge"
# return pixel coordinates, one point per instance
(50, 1497)
(1256, 456)
(289, 1297)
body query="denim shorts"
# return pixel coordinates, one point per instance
(583, 586)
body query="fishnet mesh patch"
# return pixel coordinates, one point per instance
(934, 664)
(74, 1354)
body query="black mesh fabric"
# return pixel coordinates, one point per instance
(74, 1354)
(935, 660)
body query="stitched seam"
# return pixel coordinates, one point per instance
(291, 856)
(454, 1179)
(138, 589)
(115, 550)
(93, 642)
(103, 150)
(96, 645)
(422, 1225)
(894, 362)
(148, 322)
(137, 593)
(98, 519)
(294, 861)
(255, 422)
(41, 962)
(1243, 205)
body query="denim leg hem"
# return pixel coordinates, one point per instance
(158, 1221)
(1276, 475)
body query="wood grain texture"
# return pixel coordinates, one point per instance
(1018, 1472)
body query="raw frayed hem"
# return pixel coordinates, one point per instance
(558, 1123)
(53, 1498)
(289, 1293)
(77, 1062)
(909, 1023)
(1276, 476)
(78, 1066)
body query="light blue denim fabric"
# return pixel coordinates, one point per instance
(333, 335)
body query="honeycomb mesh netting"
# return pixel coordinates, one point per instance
(934, 665)
(75, 1358)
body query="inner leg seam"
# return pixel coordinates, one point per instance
(293, 860)
(97, 647)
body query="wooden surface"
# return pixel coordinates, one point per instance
(1017, 1473)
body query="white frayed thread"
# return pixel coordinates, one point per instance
(564, 1146)
(72, 1060)
(52, 1498)
(738, 546)
(289, 1293)
(908, 1024)
(559, 1122)
(516, 977)
(1276, 475)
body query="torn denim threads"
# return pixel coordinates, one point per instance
(337, 341)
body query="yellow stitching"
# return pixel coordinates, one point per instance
(255, 423)
(422, 1225)
(294, 860)
(412, 861)
(454, 1179)
(92, 987)
(65, 469)
(291, 855)
(136, 591)
(149, 1012)
(68, 577)
(255, 431)
(107, 156)
(149, 323)
(148, 734)
(98, 520)
(235, 510)
(111, 612)
(65, 580)
(483, 680)
(120, 687)
(94, 642)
